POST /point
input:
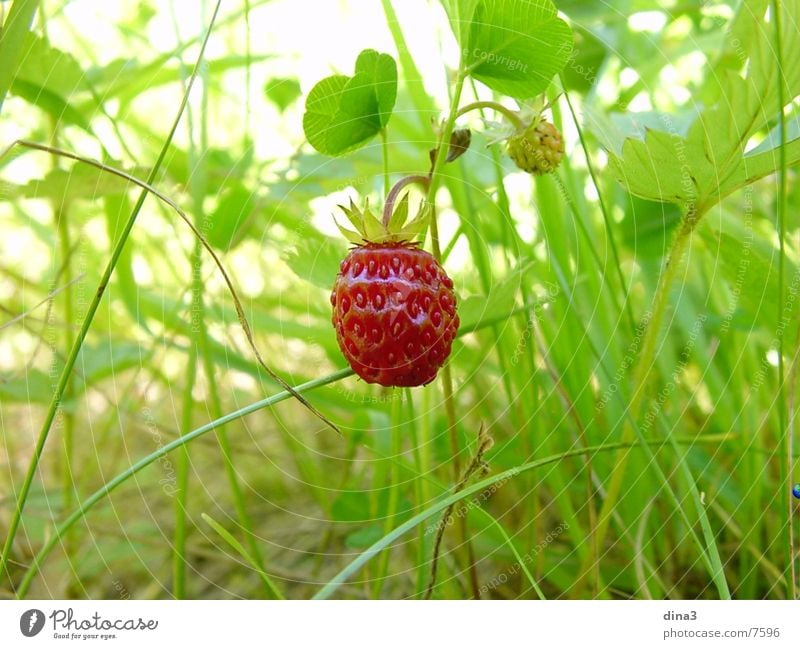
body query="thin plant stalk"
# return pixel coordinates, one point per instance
(394, 490)
(200, 347)
(440, 158)
(435, 181)
(509, 114)
(190, 377)
(182, 471)
(55, 402)
(387, 183)
(603, 210)
(784, 443)
(243, 518)
(61, 216)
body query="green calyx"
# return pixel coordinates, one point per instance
(395, 227)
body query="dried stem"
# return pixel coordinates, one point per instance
(477, 465)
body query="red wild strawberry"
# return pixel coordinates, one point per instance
(394, 309)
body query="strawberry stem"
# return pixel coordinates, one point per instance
(509, 114)
(391, 198)
(385, 155)
(439, 160)
(435, 179)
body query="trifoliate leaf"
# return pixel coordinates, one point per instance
(342, 112)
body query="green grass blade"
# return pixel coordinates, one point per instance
(784, 441)
(12, 38)
(231, 540)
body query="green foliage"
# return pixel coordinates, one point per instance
(315, 259)
(515, 47)
(282, 92)
(701, 161)
(648, 226)
(80, 181)
(13, 35)
(228, 222)
(50, 79)
(239, 548)
(747, 258)
(343, 113)
(34, 387)
(477, 310)
(95, 363)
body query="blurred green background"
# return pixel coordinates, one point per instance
(543, 363)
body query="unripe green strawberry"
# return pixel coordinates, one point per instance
(538, 149)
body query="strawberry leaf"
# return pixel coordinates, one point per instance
(515, 47)
(704, 161)
(343, 113)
